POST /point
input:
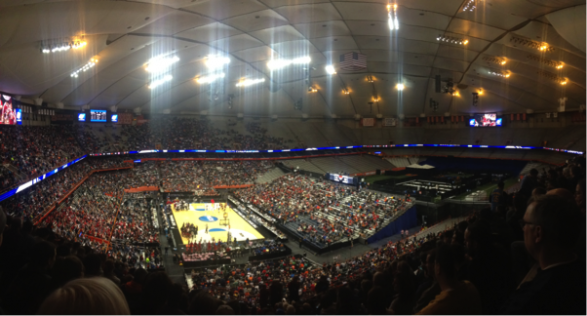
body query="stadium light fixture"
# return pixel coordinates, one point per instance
(210, 78)
(452, 40)
(158, 82)
(541, 46)
(216, 62)
(160, 64)
(470, 6)
(249, 82)
(276, 64)
(85, 67)
(500, 74)
(330, 70)
(400, 86)
(392, 20)
(65, 46)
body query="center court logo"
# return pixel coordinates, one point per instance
(208, 218)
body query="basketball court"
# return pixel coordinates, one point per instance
(201, 214)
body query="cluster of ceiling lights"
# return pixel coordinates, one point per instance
(555, 64)
(330, 70)
(346, 91)
(276, 64)
(159, 67)
(500, 74)
(155, 83)
(210, 78)
(392, 20)
(160, 64)
(62, 47)
(85, 67)
(452, 40)
(495, 60)
(215, 64)
(553, 77)
(249, 82)
(470, 6)
(543, 47)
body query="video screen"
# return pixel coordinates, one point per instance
(8, 113)
(485, 120)
(81, 117)
(18, 116)
(114, 118)
(97, 115)
(341, 178)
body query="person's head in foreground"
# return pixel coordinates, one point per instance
(550, 229)
(86, 296)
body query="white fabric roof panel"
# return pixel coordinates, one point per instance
(123, 35)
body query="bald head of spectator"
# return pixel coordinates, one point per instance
(563, 193)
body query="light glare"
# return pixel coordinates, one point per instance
(330, 70)
(160, 64)
(210, 78)
(216, 62)
(249, 82)
(275, 64)
(392, 21)
(159, 82)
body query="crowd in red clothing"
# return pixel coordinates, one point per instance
(323, 211)
(134, 224)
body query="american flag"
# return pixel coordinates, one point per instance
(352, 61)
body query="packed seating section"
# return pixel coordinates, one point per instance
(29, 151)
(393, 277)
(324, 212)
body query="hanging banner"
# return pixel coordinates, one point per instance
(390, 121)
(368, 122)
(124, 118)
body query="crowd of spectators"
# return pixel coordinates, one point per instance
(323, 212)
(134, 224)
(183, 176)
(526, 257)
(88, 211)
(178, 133)
(40, 197)
(34, 151)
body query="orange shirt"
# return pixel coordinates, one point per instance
(459, 301)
